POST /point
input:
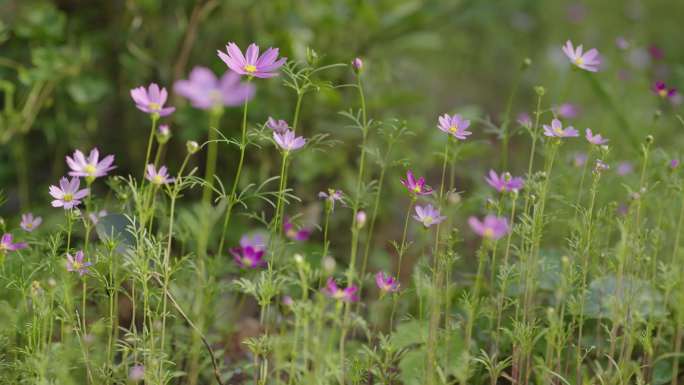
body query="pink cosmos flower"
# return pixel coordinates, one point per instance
(600, 166)
(357, 63)
(361, 219)
(660, 89)
(295, 234)
(656, 52)
(504, 182)
(580, 159)
(251, 64)
(29, 222)
(280, 126)
(7, 244)
(454, 125)
(556, 130)
(158, 177)
(674, 163)
(386, 283)
(287, 141)
(68, 195)
(346, 295)
(249, 256)
(416, 186)
(206, 91)
(524, 119)
(331, 197)
(594, 139)
(91, 167)
(428, 215)
(589, 60)
(152, 100)
(492, 227)
(567, 110)
(136, 373)
(95, 217)
(77, 263)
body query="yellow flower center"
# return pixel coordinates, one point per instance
(154, 106)
(251, 68)
(416, 189)
(558, 131)
(488, 233)
(579, 61)
(29, 225)
(76, 265)
(68, 197)
(158, 179)
(90, 169)
(662, 93)
(453, 129)
(338, 294)
(428, 220)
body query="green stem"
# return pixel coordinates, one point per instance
(212, 155)
(402, 249)
(155, 118)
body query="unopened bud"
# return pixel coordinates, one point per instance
(192, 147)
(299, 259)
(540, 90)
(329, 264)
(360, 219)
(649, 139)
(357, 64)
(526, 63)
(163, 134)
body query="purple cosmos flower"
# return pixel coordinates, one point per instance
(295, 234)
(91, 167)
(655, 52)
(386, 283)
(251, 64)
(331, 197)
(589, 61)
(287, 141)
(152, 100)
(6, 244)
(29, 222)
(556, 130)
(580, 159)
(674, 163)
(416, 186)
(624, 168)
(280, 126)
(158, 177)
(524, 119)
(454, 125)
(428, 215)
(68, 195)
(492, 227)
(660, 89)
(205, 91)
(504, 182)
(95, 217)
(333, 291)
(594, 139)
(249, 255)
(255, 241)
(567, 110)
(136, 373)
(77, 264)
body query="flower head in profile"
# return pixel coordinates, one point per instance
(152, 100)
(298, 234)
(251, 64)
(386, 283)
(96, 216)
(346, 295)
(504, 182)
(556, 130)
(455, 125)
(361, 219)
(331, 197)
(357, 63)
(29, 222)
(280, 126)
(77, 263)
(7, 244)
(594, 139)
(660, 89)
(524, 120)
(416, 186)
(674, 163)
(91, 167)
(68, 195)
(287, 141)
(589, 61)
(428, 215)
(158, 177)
(492, 227)
(206, 91)
(600, 166)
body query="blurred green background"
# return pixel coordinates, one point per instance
(66, 68)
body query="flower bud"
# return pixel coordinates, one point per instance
(311, 56)
(163, 134)
(299, 259)
(360, 219)
(526, 63)
(540, 90)
(649, 139)
(192, 147)
(329, 264)
(357, 64)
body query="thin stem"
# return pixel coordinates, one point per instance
(402, 249)
(212, 154)
(155, 118)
